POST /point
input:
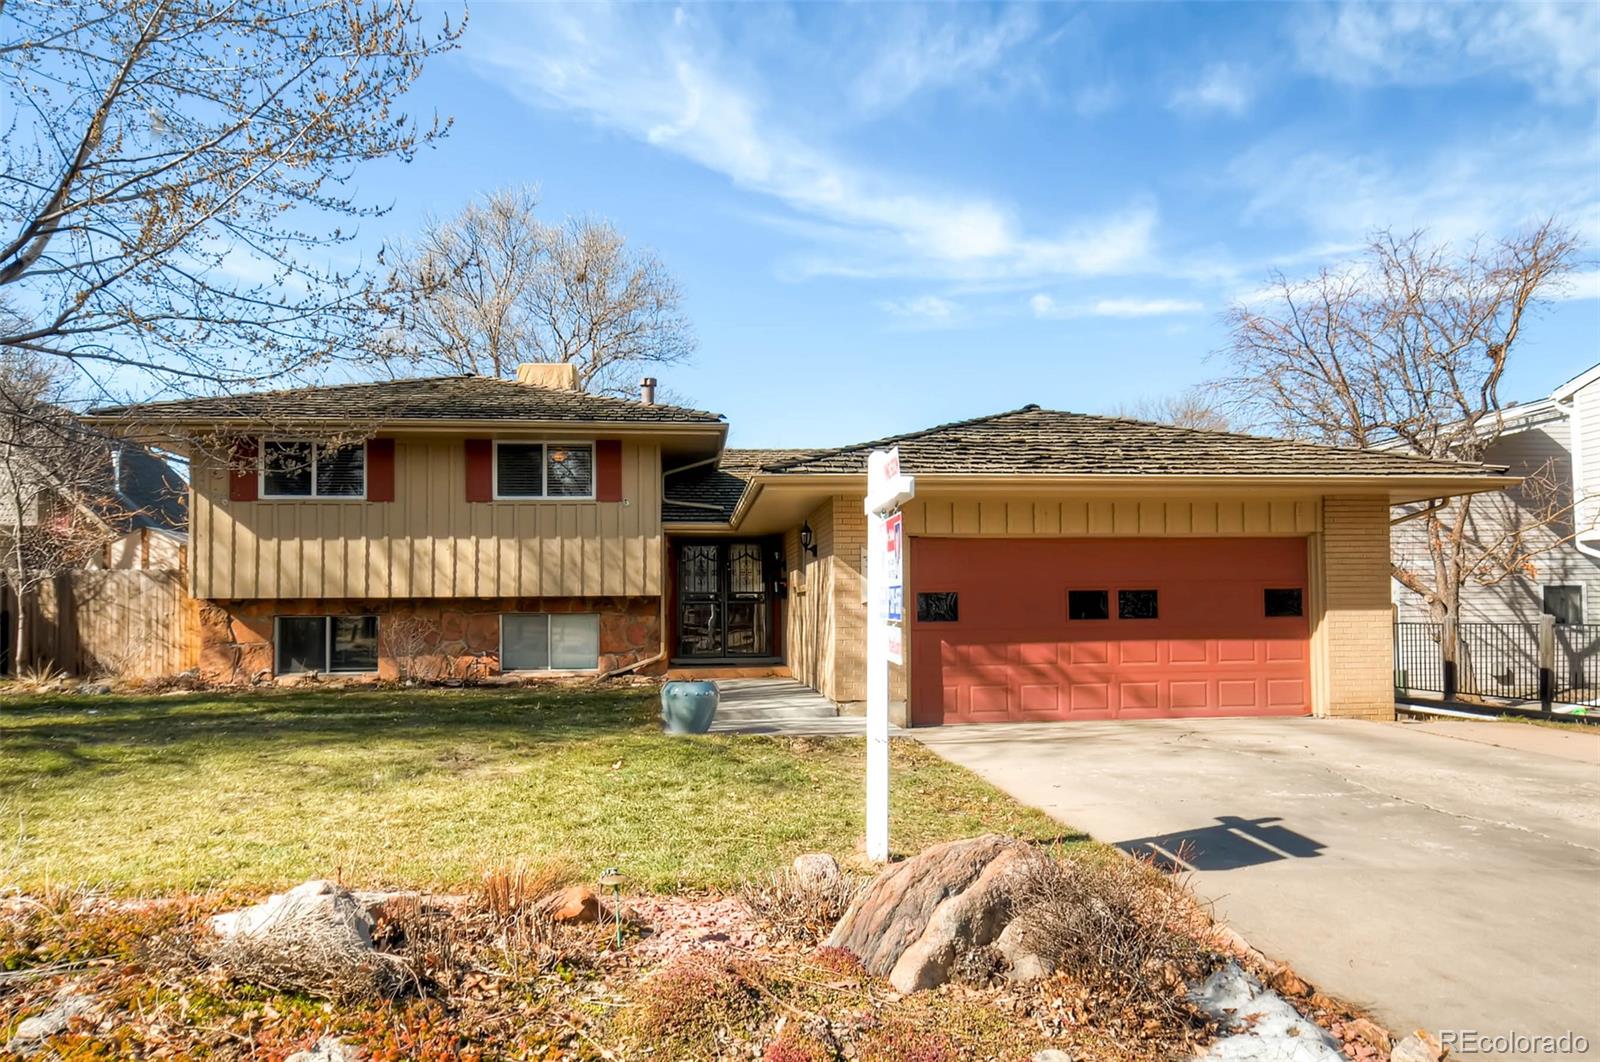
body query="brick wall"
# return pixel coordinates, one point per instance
(435, 637)
(1353, 648)
(825, 619)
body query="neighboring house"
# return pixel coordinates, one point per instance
(1554, 439)
(1060, 566)
(136, 497)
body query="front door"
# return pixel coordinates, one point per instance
(724, 605)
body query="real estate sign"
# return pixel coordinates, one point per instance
(887, 489)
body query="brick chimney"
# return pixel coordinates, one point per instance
(556, 375)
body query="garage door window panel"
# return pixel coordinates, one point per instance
(1084, 605)
(942, 606)
(1284, 601)
(1137, 605)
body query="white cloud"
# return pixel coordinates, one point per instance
(1581, 285)
(926, 310)
(1048, 307)
(932, 51)
(1222, 87)
(1549, 45)
(666, 84)
(1457, 192)
(1145, 307)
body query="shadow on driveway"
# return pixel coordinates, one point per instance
(1232, 843)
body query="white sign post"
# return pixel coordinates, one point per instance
(887, 490)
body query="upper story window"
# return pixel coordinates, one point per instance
(296, 468)
(543, 470)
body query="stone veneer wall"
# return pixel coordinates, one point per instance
(442, 637)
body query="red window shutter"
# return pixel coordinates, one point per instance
(380, 470)
(242, 482)
(480, 470)
(608, 470)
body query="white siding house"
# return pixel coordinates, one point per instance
(1557, 436)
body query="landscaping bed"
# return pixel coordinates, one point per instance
(490, 974)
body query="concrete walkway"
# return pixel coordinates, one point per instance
(780, 706)
(1444, 878)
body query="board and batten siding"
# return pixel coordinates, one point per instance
(430, 541)
(1054, 517)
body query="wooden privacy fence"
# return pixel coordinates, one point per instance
(128, 623)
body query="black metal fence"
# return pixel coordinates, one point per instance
(1507, 661)
(1577, 666)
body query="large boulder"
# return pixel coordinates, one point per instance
(913, 921)
(315, 938)
(319, 906)
(31, 1033)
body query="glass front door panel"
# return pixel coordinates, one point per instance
(724, 604)
(700, 629)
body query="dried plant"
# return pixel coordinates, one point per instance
(317, 959)
(799, 907)
(1117, 926)
(411, 642)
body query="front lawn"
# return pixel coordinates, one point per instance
(429, 788)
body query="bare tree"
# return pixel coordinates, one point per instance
(175, 174)
(1407, 347)
(494, 287)
(1195, 408)
(58, 499)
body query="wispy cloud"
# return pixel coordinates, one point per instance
(926, 50)
(1049, 307)
(665, 82)
(1457, 191)
(927, 311)
(1548, 45)
(1222, 87)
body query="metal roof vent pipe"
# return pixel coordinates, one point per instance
(647, 390)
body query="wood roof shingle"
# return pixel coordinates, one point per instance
(425, 398)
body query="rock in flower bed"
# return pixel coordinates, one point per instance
(490, 974)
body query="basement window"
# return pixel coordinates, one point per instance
(1288, 601)
(543, 470)
(330, 644)
(539, 642)
(1088, 604)
(297, 468)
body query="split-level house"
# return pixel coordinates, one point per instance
(1059, 566)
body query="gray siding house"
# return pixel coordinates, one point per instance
(1556, 436)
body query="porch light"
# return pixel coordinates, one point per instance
(805, 538)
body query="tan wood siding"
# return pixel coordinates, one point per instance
(1059, 518)
(429, 541)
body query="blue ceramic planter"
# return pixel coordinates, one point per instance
(688, 707)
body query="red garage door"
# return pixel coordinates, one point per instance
(1036, 629)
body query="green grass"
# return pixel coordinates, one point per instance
(429, 788)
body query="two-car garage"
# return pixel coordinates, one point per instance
(1007, 629)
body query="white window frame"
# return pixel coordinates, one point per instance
(548, 655)
(327, 644)
(261, 472)
(544, 470)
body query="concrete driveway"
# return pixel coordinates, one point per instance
(1445, 875)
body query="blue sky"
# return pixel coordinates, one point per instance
(886, 216)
